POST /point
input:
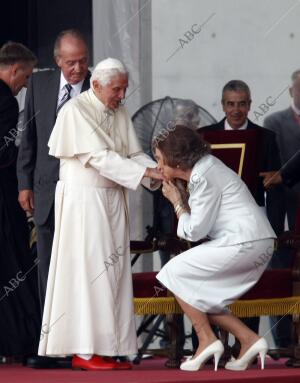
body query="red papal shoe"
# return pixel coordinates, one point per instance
(215, 349)
(96, 363)
(260, 348)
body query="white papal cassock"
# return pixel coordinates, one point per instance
(88, 307)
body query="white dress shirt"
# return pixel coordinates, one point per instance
(76, 88)
(228, 127)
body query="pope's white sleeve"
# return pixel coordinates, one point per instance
(111, 165)
(204, 203)
(145, 160)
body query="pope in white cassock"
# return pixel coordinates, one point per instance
(89, 308)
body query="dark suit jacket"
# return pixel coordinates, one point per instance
(270, 160)
(291, 171)
(284, 124)
(287, 130)
(37, 170)
(9, 112)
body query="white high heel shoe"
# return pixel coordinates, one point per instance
(260, 348)
(215, 349)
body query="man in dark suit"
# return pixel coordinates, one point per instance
(37, 171)
(286, 125)
(289, 174)
(19, 311)
(236, 103)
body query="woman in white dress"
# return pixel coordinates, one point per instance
(207, 278)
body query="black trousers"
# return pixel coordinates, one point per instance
(45, 234)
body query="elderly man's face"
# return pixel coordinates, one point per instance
(114, 92)
(73, 59)
(236, 106)
(295, 92)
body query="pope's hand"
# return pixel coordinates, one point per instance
(271, 178)
(153, 173)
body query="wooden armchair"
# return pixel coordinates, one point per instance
(155, 303)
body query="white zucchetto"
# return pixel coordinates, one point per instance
(110, 63)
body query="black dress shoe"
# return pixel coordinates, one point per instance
(121, 358)
(37, 361)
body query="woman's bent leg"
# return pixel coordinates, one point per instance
(236, 327)
(201, 325)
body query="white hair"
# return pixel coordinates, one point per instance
(107, 69)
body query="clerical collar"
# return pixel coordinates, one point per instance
(295, 109)
(228, 127)
(100, 105)
(76, 87)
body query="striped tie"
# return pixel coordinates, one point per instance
(66, 97)
(297, 117)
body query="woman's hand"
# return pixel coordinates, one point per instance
(171, 192)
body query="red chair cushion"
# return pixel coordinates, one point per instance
(272, 284)
(145, 285)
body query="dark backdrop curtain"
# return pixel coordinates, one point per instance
(36, 24)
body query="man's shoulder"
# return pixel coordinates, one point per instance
(252, 125)
(5, 90)
(216, 126)
(279, 115)
(266, 131)
(7, 101)
(45, 75)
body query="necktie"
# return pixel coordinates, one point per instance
(66, 97)
(297, 117)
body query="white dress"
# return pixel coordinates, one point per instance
(214, 274)
(89, 306)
